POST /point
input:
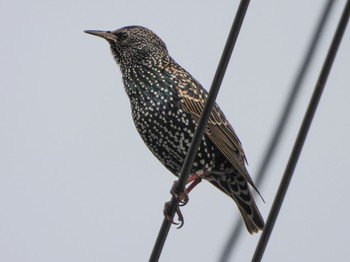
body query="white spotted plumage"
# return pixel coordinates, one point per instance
(166, 103)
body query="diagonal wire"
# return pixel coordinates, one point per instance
(284, 118)
(214, 89)
(310, 112)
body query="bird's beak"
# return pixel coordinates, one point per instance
(108, 35)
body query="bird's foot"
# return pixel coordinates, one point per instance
(169, 217)
(181, 197)
(181, 200)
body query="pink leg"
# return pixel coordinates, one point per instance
(193, 184)
(192, 177)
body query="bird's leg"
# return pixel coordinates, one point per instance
(182, 198)
(195, 182)
(192, 177)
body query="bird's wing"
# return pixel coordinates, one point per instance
(218, 129)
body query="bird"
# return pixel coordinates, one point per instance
(166, 104)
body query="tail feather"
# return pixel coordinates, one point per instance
(252, 219)
(235, 186)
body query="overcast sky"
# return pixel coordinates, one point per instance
(78, 184)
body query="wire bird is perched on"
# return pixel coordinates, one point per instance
(166, 103)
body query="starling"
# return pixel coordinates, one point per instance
(166, 104)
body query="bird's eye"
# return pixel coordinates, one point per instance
(123, 36)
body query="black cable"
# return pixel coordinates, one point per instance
(259, 252)
(282, 122)
(214, 89)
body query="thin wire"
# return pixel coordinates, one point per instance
(259, 252)
(281, 124)
(214, 89)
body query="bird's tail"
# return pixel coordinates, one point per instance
(235, 186)
(252, 219)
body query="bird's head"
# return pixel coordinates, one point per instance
(134, 46)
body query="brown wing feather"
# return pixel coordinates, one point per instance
(218, 130)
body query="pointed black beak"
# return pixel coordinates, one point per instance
(108, 35)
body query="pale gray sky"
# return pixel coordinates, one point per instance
(78, 184)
